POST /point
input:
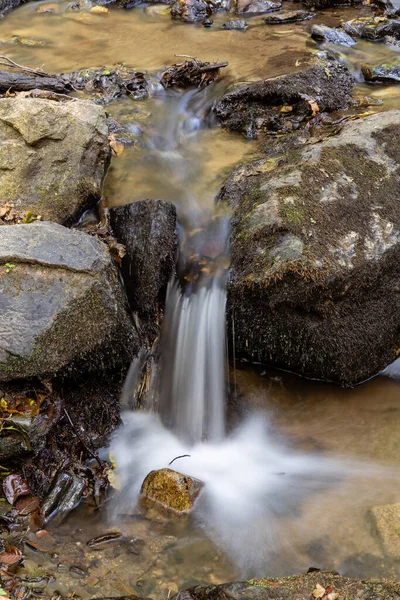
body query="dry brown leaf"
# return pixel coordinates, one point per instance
(10, 556)
(15, 486)
(286, 109)
(314, 107)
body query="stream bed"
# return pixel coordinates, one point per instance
(328, 526)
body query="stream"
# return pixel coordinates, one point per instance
(291, 467)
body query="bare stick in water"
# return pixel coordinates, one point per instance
(176, 458)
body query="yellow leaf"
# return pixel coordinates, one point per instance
(286, 109)
(319, 591)
(3, 404)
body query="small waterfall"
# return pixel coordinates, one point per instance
(193, 404)
(254, 481)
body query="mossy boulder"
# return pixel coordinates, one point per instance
(53, 156)
(61, 305)
(315, 282)
(172, 490)
(299, 587)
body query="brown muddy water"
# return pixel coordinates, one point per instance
(330, 528)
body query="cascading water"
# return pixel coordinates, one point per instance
(253, 480)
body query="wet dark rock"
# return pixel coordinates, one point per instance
(63, 497)
(191, 73)
(54, 156)
(172, 490)
(257, 6)
(208, 23)
(8, 5)
(381, 73)
(331, 35)
(299, 587)
(319, 4)
(61, 305)
(390, 7)
(235, 24)
(315, 253)
(107, 84)
(375, 29)
(285, 103)
(148, 231)
(191, 11)
(291, 16)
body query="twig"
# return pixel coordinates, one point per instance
(11, 64)
(81, 440)
(213, 67)
(176, 458)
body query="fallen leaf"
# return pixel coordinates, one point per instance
(332, 596)
(15, 486)
(10, 556)
(116, 146)
(314, 107)
(319, 591)
(286, 109)
(27, 505)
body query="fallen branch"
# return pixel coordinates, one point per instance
(13, 65)
(176, 458)
(24, 82)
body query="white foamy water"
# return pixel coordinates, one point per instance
(255, 484)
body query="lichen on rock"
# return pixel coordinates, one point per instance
(315, 249)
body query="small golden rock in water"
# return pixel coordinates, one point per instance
(47, 8)
(173, 490)
(99, 9)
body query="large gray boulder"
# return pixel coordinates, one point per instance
(285, 103)
(315, 280)
(61, 304)
(53, 156)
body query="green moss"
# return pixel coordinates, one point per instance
(291, 214)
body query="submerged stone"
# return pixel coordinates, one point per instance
(53, 156)
(235, 24)
(386, 519)
(172, 490)
(289, 17)
(331, 35)
(315, 252)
